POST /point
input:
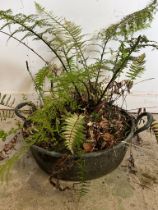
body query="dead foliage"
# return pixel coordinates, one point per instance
(106, 127)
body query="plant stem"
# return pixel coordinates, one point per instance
(86, 87)
(36, 88)
(133, 48)
(77, 47)
(16, 21)
(101, 60)
(23, 43)
(68, 63)
(48, 45)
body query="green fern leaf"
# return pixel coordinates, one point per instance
(41, 76)
(74, 131)
(71, 32)
(32, 24)
(154, 127)
(39, 8)
(137, 67)
(8, 165)
(84, 184)
(131, 23)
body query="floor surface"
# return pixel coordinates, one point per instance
(29, 188)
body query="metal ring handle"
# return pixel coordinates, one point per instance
(21, 105)
(147, 124)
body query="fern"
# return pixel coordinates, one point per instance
(59, 35)
(41, 76)
(154, 127)
(74, 132)
(67, 79)
(131, 23)
(78, 82)
(73, 38)
(29, 25)
(6, 114)
(83, 187)
(8, 165)
(66, 41)
(6, 100)
(42, 121)
(137, 67)
(120, 34)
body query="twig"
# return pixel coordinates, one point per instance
(138, 147)
(101, 60)
(36, 88)
(144, 80)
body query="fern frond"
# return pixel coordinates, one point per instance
(131, 23)
(83, 183)
(30, 25)
(6, 114)
(8, 164)
(72, 33)
(84, 188)
(66, 79)
(137, 67)
(74, 131)
(41, 76)
(154, 127)
(6, 100)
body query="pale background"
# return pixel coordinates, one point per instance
(92, 15)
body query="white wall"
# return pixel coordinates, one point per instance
(92, 15)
